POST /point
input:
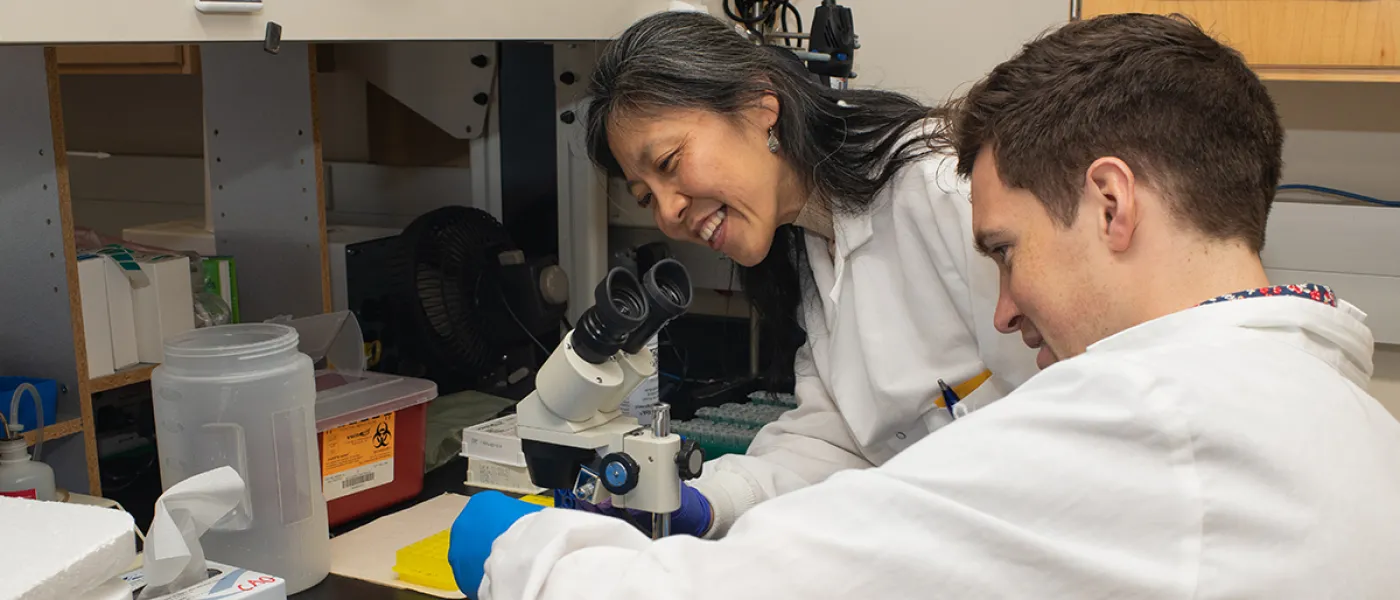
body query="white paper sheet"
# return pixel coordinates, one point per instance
(368, 553)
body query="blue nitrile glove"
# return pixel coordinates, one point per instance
(692, 518)
(486, 517)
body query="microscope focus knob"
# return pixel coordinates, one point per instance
(690, 460)
(620, 473)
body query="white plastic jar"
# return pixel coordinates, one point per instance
(243, 396)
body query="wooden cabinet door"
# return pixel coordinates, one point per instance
(126, 58)
(1284, 35)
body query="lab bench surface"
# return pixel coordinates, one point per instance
(449, 478)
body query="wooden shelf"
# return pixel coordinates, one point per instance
(1331, 75)
(130, 375)
(128, 59)
(1292, 40)
(60, 429)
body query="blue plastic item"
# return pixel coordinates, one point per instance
(48, 397)
(486, 517)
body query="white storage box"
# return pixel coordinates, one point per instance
(97, 325)
(182, 236)
(494, 458)
(121, 316)
(165, 308)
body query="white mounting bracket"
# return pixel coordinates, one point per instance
(449, 83)
(583, 189)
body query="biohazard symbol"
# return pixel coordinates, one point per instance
(382, 435)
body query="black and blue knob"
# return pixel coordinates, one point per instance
(620, 473)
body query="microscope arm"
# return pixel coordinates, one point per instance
(638, 466)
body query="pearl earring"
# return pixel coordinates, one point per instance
(772, 141)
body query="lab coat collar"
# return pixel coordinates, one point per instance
(1337, 335)
(853, 230)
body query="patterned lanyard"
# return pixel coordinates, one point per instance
(1313, 291)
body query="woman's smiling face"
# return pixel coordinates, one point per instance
(709, 178)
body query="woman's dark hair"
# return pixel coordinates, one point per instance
(845, 145)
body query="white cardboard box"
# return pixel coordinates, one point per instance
(182, 236)
(165, 308)
(97, 326)
(494, 458)
(121, 316)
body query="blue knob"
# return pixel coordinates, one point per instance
(616, 474)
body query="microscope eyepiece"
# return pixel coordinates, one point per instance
(668, 294)
(619, 308)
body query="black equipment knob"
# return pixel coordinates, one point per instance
(690, 460)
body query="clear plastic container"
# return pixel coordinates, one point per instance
(371, 429)
(243, 396)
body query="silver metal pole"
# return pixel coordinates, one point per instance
(661, 427)
(812, 56)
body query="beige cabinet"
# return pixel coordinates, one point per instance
(1328, 40)
(128, 59)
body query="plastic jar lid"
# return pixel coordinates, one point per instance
(241, 341)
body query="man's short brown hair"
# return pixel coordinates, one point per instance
(1182, 110)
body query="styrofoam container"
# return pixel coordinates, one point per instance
(371, 429)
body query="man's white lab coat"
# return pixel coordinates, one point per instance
(1226, 451)
(902, 301)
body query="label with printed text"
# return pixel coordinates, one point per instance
(358, 456)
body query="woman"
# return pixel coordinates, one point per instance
(845, 220)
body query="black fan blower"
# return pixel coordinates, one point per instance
(470, 310)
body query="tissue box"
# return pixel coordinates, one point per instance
(224, 583)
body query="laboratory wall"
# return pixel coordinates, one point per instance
(156, 174)
(932, 49)
(1346, 135)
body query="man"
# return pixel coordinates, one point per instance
(1203, 435)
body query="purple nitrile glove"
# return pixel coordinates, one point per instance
(692, 518)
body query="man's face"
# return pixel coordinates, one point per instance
(1049, 289)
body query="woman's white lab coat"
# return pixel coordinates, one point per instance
(902, 301)
(1226, 451)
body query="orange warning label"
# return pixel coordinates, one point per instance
(358, 456)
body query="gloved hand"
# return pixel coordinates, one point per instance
(486, 517)
(692, 518)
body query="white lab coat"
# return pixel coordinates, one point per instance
(1226, 451)
(903, 301)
